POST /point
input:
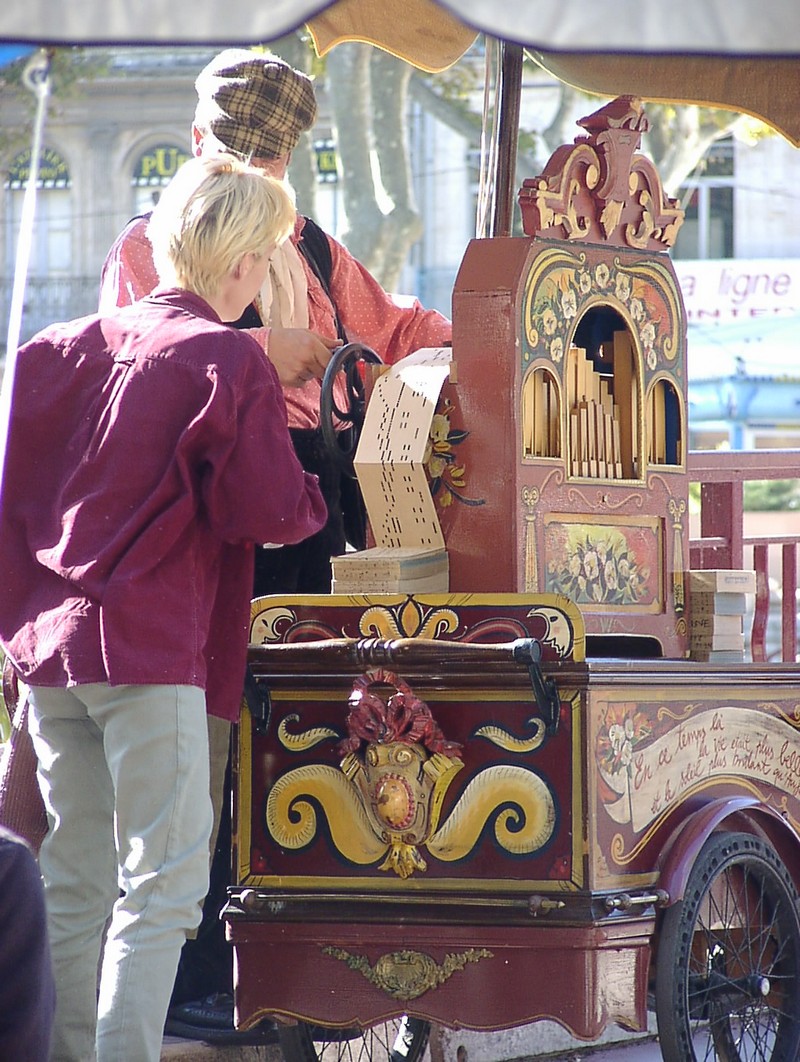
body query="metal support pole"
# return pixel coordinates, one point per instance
(36, 77)
(507, 136)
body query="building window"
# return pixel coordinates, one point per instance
(51, 237)
(707, 198)
(153, 170)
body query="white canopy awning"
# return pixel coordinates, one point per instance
(710, 27)
(728, 53)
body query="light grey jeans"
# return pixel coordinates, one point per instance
(124, 772)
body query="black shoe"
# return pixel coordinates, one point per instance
(211, 1020)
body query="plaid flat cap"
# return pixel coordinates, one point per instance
(255, 104)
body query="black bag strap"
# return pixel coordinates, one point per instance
(10, 687)
(316, 250)
(251, 318)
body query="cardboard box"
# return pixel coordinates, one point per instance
(704, 624)
(718, 580)
(705, 603)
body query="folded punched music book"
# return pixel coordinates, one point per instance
(409, 553)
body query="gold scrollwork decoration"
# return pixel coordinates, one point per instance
(792, 717)
(315, 735)
(403, 800)
(387, 798)
(677, 509)
(603, 500)
(623, 856)
(523, 825)
(667, 712)
(407, 620)
(530, 499)
(783, 807)
(576, 225)
(638, 235)
(266, 625)
(292, 817)
(521, 801)
(611, 213)
(504, 740)
(407, 974)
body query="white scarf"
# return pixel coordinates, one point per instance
(284, 294)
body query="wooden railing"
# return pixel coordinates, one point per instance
(722, 542)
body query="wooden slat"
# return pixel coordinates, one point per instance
(761, 613)
(789, 602)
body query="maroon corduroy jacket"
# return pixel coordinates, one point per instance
(147, 452)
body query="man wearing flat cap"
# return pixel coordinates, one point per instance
(316, 298)
(255, 105)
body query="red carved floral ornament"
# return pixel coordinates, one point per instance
(401, 717)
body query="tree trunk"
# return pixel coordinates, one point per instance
(680, 137)
(389, 79)
(368, 90)
(349, 92)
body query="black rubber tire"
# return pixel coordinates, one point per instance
(728, 965)
(401, 1040)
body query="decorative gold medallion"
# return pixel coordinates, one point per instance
(405, 975)
(385, 801)
(404, 769)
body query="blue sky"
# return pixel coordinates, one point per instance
(10, 52)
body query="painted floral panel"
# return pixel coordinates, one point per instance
(642, 291)
(613, 565)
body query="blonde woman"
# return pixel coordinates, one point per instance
(148, 452)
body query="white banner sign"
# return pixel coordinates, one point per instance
(730, 289)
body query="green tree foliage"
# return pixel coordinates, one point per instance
(68, 68)
(768, 495)
(774, 495)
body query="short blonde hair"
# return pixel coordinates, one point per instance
(214, 211)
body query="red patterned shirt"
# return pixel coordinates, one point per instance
(367, 313)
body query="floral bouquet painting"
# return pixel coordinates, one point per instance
(601, 564)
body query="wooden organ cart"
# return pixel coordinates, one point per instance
(545, 793)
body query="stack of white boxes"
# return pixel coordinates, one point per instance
(717, 604)
(391, 570)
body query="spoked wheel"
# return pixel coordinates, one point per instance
(342, 402)
(401, 1040)
(728, 966)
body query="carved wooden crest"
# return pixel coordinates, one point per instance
(598, 190)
